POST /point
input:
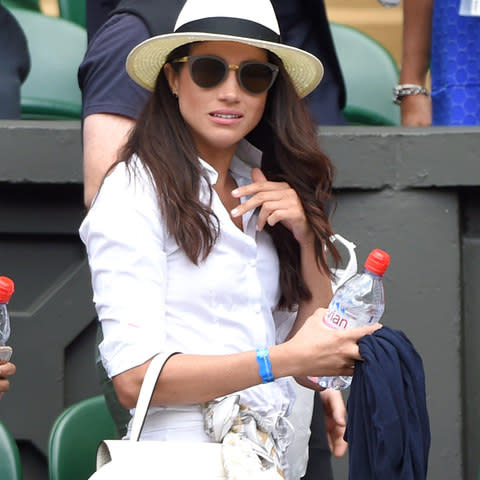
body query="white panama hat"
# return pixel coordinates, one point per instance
(252, 22)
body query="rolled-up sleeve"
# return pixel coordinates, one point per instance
(124, 237)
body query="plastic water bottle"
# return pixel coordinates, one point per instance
(6, 291)
(358, 302)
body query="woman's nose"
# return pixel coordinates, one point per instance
(230, 88)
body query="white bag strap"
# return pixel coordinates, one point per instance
(146, 393)
(342, 275)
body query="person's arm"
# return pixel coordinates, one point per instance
(416, 110)
(291, 214)
(280, 203)
(111, 100)
(186, 379)
(103, 137)
(316, 280)
(6, 370)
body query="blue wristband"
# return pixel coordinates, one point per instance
(264, 365)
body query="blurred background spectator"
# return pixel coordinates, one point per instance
(14, 64)
(436, 36)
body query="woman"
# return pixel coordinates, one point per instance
(444, 36)
(194, 248)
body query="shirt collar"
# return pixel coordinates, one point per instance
(246, 157)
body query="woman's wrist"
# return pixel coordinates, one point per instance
(307, 240)
(284, 361)
(264, 365)
(403, 90)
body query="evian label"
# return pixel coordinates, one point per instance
(335, 317)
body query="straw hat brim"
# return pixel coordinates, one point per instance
(147, 59)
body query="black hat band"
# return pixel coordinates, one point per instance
(237, 27)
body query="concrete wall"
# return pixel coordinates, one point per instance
(410, 192)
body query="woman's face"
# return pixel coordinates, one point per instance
(218, 117)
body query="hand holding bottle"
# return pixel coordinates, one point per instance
(6, 291)
(320, 350)
(359, 301)
(6, 370)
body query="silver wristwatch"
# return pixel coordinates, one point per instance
(406, 89)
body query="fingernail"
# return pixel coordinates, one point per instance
(234, 212)
(235, 192)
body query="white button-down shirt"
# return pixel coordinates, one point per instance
(150, 297)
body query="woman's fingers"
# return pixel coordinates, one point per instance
(278, 202)
(260, 197)
(329, 351)
(7, 369)
(274, 209)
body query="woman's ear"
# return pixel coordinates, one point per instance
(172, 78)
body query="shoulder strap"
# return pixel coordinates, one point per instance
(146, 393)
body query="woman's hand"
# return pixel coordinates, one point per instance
(416, 111)
(322, 351)
(6, 370)
(335, 420)
(279, 203)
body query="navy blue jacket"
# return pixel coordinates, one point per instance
(388, 431)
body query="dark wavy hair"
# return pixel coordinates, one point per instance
(287, 137)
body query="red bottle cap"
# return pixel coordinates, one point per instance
(6, 289)
(377, 262)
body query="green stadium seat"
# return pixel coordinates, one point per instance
(73, 10)
(370, 73)
(57, 47)
(29, 4)
(10, 466)
(74, 439)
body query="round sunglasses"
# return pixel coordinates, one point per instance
(208, 71)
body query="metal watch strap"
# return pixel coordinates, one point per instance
(406, 89)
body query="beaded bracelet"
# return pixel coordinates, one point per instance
(264, 365)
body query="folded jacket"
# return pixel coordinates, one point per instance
(388, 430)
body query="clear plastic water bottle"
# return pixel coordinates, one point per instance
(6, 291)
(358, 302)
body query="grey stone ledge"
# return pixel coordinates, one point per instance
(365, 158)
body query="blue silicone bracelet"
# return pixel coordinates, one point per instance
(264, 365)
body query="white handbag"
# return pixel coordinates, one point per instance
(148, 460)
